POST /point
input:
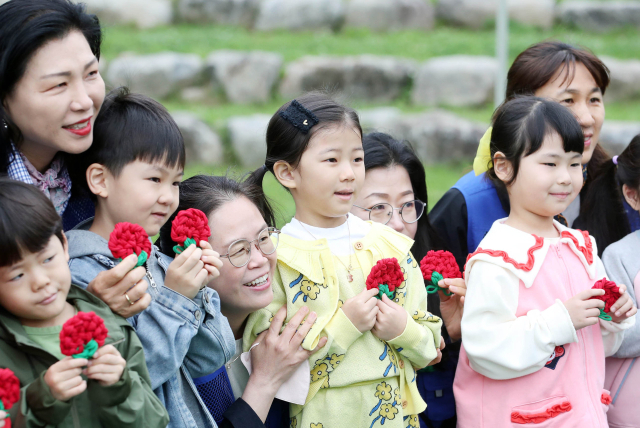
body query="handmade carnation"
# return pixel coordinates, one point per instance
(610, 296)
(130, 238)
(437, 265)
(189, 227)
(9, 392)
(82, 335)
(386, 276)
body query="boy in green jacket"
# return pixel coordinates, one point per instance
(36, 299)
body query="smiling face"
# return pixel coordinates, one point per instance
(583, 97)
(57, 100)
(35, 288)
(245, 289)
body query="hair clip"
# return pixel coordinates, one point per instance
(298, 116)
(615, 160)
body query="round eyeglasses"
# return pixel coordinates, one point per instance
(240, 251)
(410, 212)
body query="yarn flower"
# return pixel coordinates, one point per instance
(386, 275)
(9, 392)
(189, 227)
(129, 238)
(437, 265)
(82, 335)
(610, 296)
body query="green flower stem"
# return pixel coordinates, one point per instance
(178, 249)
(603, 315)
(384, 289)
(89, 349)
(142, 258)
(434, 287)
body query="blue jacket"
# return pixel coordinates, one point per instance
(182, 338)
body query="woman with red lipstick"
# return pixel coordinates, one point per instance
(50, 94)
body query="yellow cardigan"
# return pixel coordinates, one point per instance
(306, 276)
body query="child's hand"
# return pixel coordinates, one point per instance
(438, 357)
(452, 307)
(63, 378)
(584, 309)
(390, 321)
(106, 366)
(362, 309)
(2, 416)
(623, 308)
(186, 273)
(211, 260)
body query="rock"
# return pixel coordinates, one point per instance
(625, 79)
(457, 80)
(248, 138)
(300, 15)
(245, 77)
(195, 94)
(142, 13)
(390, 15)
(365, 77)
(383, 119)
(227, 12)
(616, 135)
(202, 144)
(475, 13)
(157, 75)
(599, 16)
(440, 136)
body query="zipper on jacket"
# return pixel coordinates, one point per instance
(149, 276)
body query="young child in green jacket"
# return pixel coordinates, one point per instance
(36, 299)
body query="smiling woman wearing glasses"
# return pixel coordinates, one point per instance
(395, 194)
(241, 223)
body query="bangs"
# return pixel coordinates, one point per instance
(549, 118)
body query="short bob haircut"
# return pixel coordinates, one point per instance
(22, 233)
(521, 125)
(26, 26)
(133, 127)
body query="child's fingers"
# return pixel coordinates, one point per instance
(593, 303)
(590, 293)
(69, 384)
(69, 364)
(212, 271)
(368, 294)
(105, 350)
(628, 304)
(109, 367)
(77, 390)
(592, 313)
(632, 312)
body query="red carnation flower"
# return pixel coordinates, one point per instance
(611, 295)
(189, 227)
(129, 238)
(385, 271)
(9, 392)
(82, 335)
(442, 262)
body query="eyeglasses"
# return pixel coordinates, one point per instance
(240, 251)
(410, 212)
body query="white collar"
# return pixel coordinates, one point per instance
(337, 237)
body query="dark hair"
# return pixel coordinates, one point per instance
(208, 193)
(26, 26)
(539, 63)
(602, 211)
(520, 126)
(28, 220)
(287, 143)
(132, 127)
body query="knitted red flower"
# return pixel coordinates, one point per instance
(9, 390)
(130, 238)
(189, 227)
(611, 295)
(386, 276)
(437, 265)
(82, 335)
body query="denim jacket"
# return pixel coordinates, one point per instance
(182, 338)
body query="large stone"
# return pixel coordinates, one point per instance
(365, 77)
(227, 12)
(390, 15)
(245, 77)
(300, 15)
(157, 75)
(616, 135)
(440, 136)
(475, 13)
(600, 16)
(202, 144)
(625, 79)
(381, 119)
(458, 81)
(248, 138)
(142, 13)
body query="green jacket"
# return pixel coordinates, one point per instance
(128, 403)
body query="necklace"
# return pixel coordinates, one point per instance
(348, 268)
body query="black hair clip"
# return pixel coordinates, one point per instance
(298, 116)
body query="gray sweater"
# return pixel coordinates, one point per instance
(622, 262)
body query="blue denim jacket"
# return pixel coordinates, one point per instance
(182, 338)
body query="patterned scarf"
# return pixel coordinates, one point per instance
(54, 182)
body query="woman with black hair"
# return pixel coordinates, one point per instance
(395, 194)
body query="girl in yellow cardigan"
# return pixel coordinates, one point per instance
(365, 375)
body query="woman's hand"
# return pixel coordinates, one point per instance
(452, 307)
(277, 356)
